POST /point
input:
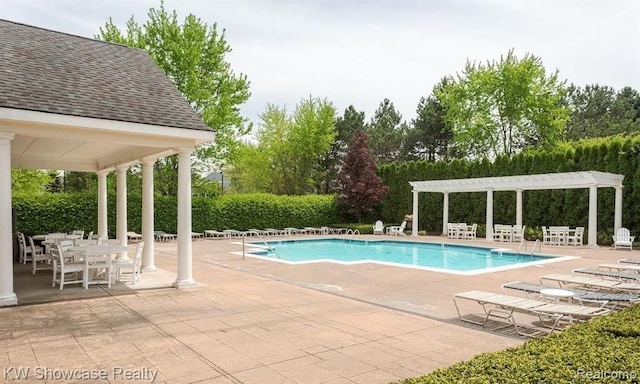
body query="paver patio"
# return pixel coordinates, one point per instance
(257, 321)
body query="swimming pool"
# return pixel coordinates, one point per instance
(452, 258)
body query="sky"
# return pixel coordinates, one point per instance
(359, 52)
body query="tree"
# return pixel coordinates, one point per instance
(192, 55)
(291, 146)
(502, 107)
(429, 137)
(598, 111)
(385, 133)
(345, 126)
(360, 188)
(30, 181)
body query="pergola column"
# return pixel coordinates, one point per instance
(7, 296)
(184, 274)
(489, 220)
(519, 207)
(103, 224)
(445, 214)
(593, 216)
(414, 214)
(148, 255)
(617, 223)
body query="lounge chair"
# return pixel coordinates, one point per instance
(623, 239)
(378, 228)
(620, 276)
(621, 266)
(595, 283)
(397, 229)
(197, 235)
(504, 306)
(629, 261)
(164, 236)
(213, 233)
(132, 236)
(603, 299)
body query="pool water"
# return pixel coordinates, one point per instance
(452, 258)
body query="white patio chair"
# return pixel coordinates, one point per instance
(26, 252)
(131, 268)
(39, 261)
(472, 232)
(546, 236)
(378, 228)
(518, 233)
(98, 268)
(397, 230)
(62, 267)
(623, 239)
(576, 238)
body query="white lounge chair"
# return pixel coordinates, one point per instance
(504, 306)
(595, 283)
(378, 228)
(397, 229)
(623, 239)
(132, 236)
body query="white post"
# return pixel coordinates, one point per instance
(617, 224)
(445, 214)
(148, 255)
(593, 216)
(103, 223)
(7, 296)
(489, 220)
(121, 209)
(185, 277)
(519, 207)
(414, 213)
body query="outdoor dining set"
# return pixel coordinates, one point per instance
(75, 260)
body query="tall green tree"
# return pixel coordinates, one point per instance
(386, 133)
(360, 188)
(598, 111)
(346, 126)
(292, 146)
(429, 138)
(501, 107)
(192, 54)
(30, 182)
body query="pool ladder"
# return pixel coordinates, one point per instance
(269, 248)
(524, 241)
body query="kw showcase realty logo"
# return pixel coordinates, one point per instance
(52, 374)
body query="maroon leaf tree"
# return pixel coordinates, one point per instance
(359, 187)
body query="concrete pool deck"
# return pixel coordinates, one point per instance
(258, 321)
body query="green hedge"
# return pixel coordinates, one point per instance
(66, 212)
(546, 207)
(606, 346)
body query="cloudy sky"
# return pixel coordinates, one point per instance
(362, 51)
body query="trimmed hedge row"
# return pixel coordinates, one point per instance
(603, 350)
(69, 211)
(545, 207)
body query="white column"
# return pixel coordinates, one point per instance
(7, 296)
(618, 210)
(121, 209)
(148, 255)
(445, 214)
(414, 213)
(489, 220)
(185, 277)
(593, 217)
(519, 207)
(103, 223)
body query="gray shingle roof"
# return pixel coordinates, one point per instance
(48, 71)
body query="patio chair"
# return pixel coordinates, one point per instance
(397, 230)
(98, 268)
(623, 239)
(27, 252)
(518, 233)
(378, 228)
(131, 268)
(576, 238)
(504, 306)
(600, 298)
(62, 267)
(39, 260)
(471, 233)
(132, 236)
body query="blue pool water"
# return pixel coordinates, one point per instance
(434, 256)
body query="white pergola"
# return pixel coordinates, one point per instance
(567, 180)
